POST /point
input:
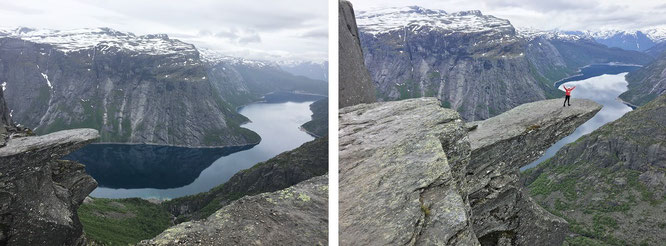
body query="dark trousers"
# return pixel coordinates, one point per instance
(566, 100)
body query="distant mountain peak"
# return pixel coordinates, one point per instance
(74, 40)
(530, 33)
(213, 56)
(386, 20)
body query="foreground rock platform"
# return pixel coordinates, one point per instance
(297, 215)
(410, 173)
(397, 184)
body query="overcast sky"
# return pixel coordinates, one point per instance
(258, 29)
(551, 14)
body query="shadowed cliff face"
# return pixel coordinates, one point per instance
(425, 180)
(40, 194)
(356, 86)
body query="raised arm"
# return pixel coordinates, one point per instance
(573, 88)
(564, 86)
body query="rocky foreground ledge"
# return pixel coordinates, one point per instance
(412, 172)
(293, 216)
(39, 194)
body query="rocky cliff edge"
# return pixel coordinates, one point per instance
(412, 172)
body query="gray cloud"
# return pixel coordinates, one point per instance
(317, 33)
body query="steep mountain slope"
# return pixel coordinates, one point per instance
(356, 85)
(241, 81)
(318, 126)
(474, 63)
(313, 70)
(646, 83)
(137, 89)
(657, 50)
(611, 184)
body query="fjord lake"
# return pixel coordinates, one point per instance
(163, 172)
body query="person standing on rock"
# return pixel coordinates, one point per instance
(568, 96)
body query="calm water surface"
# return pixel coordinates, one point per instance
(603, 89)
(150, 171)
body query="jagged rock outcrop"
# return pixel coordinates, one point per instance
(501, 211)
(646, 83)
(398, 184)
(355, 84)
(39, 194)
(410, 173)
(284, 170)
(293, 216)
(610, 184)
(479, 65)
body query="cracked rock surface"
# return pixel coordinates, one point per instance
(39, 194)
(396, 184)
(297, 215)
(411, 173)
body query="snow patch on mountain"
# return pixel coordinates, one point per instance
(214, 57)
(533, 33)
(414, 19)
(106, 38)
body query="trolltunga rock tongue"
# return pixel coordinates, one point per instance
(40, 194)
(411, 173)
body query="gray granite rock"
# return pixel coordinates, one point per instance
(500, 146)
(356, 86)
(412, 172)
(39, 194)
(297, 215)
(398, 185)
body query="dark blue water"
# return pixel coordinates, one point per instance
(149, 171)
(594, 70)
(603, 89)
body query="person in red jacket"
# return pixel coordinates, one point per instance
(566, 98)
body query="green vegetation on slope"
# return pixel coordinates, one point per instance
(609, 185)
(122, 221)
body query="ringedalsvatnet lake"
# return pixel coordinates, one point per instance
(602, 84)
(153, 171)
